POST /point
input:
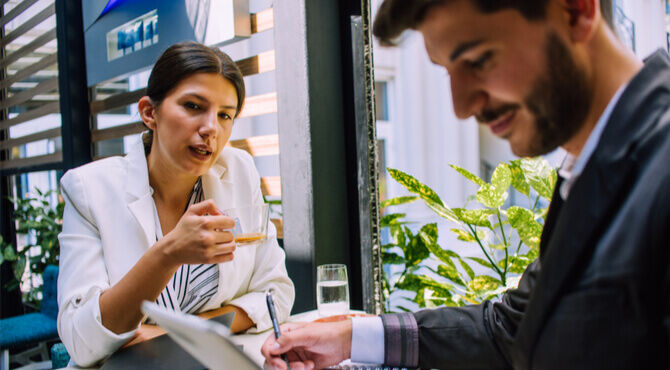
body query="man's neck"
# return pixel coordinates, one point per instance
(612, 65)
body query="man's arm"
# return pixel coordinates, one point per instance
(472, 337)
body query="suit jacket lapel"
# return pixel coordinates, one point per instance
(573, 230)
(140, 201)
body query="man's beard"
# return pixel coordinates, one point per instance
(560, 101)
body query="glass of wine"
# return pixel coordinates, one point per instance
(251, 223)
(332, 290)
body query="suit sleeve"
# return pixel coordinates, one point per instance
(82, 277)
(471, 337)
(269, 273)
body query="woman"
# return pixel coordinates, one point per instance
(147, 226)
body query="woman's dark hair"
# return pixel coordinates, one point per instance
(396, 16)
(184, 59)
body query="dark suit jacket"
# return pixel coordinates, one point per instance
(600, 299)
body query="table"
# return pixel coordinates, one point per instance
(252, 342)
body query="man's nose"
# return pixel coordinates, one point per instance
(468, 96)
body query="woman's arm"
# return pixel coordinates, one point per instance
(194, 240)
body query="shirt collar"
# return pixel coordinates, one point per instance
(573, 166)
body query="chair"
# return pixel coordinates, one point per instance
(33, 329)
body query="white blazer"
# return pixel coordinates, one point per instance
(109, 223)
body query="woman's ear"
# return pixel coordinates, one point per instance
(147, 111)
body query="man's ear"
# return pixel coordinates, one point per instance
(147, 111)
(583, 16)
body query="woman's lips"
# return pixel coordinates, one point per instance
(200, 153)
(501, 125)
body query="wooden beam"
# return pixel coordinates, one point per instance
(259, 105)
(262, 21)
(258, 146)
(271, 186)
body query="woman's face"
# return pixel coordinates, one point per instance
(194, 123)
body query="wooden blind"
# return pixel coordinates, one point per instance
(30, 81)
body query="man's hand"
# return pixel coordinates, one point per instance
(309, 345)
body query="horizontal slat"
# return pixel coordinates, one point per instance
(31, 114)
(31, 161)
(262, 21)
(30, 70)
(25, 95)
(18, 9)
(259, 105)
(258, 146)
(29, 48)
(279, 225)
(118, 100)
(271, 186)
(117, 131)
(48, 134)
(28, 25)
(263, 62)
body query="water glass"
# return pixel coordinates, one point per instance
(332, 290)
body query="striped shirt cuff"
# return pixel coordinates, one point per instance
(401, 335)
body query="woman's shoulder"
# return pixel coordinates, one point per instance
(107, 171)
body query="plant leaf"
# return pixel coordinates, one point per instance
(468, 175)
(19, 267)
(518, 178)
(489, 196)
(392, 259)
(398, 200)
(416, 250)
(540, 176)
(477, 217)
(523, 221)
(464, 235)
(481, 261)
(9, 253)
(415, 186)
(390, 219)
(450, 272)
(483, 283)
(467, 268)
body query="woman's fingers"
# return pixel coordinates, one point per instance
(206, 207)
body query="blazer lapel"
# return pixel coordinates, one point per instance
(140, 201)
(569, 242)
(211, 186)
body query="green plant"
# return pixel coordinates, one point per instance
(506, 238)
(40, 223)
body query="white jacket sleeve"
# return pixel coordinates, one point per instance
(82, 277)
(269, 274)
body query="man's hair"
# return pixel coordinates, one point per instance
(396, 16)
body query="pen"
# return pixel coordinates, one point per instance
(275, 323)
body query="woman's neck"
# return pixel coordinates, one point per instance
(170, 187)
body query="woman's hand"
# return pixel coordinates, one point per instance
(201, 236)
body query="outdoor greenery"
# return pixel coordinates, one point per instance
(505, 239)
(41, 223)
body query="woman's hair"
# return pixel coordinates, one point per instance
(184, 59)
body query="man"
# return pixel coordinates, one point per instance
(542, 74)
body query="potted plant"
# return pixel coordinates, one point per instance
(41, 223)
(506, 238)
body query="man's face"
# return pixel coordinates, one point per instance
(516, 76)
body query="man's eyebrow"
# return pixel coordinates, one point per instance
(200, 97)
(463, 47)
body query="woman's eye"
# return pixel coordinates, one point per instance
(225, 116)
(191, 105)
(480, 63)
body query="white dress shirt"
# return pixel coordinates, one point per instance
(367, 336)
(108, 224)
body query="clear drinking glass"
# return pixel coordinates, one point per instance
(332, 290)
(251, 223)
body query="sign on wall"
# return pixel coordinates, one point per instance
(125, 36)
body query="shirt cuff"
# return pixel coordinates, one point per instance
(401, 337)
(367, 340)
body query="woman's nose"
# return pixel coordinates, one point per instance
(208, 125)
